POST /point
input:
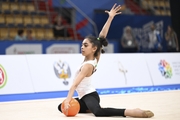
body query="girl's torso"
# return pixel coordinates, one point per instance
(85, 86)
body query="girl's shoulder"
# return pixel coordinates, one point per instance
(92, 62)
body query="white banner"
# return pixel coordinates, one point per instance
(53, 72)
(121, 70)
(14, 75)
(164, 68)
(24, 49)
(63, 48)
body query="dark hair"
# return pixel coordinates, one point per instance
(98, 42)
(20, 32)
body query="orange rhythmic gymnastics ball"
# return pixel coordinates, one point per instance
(73, 109)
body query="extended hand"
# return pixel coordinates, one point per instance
(115, 10)
(66, 106)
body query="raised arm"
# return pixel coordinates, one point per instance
(115, 10)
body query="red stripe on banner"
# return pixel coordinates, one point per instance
(81, 24)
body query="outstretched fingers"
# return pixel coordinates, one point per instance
(117, 13)
(117, 9)
(114, 6)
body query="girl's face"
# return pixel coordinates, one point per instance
(87, 48)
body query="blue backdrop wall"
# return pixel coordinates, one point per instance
(140, 25)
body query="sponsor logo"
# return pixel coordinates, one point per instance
(122, 70)
(141, 34)
(57, 50)
(3, 77)
(165, 69)
(24, 49)
(62, 71)
(16, 51)
(63, 48)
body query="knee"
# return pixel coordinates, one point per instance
(59, 107)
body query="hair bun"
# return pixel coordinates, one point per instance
(102, 51)
(103, 41)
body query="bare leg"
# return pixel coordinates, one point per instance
(138, 113)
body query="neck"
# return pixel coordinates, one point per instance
(89, 58)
